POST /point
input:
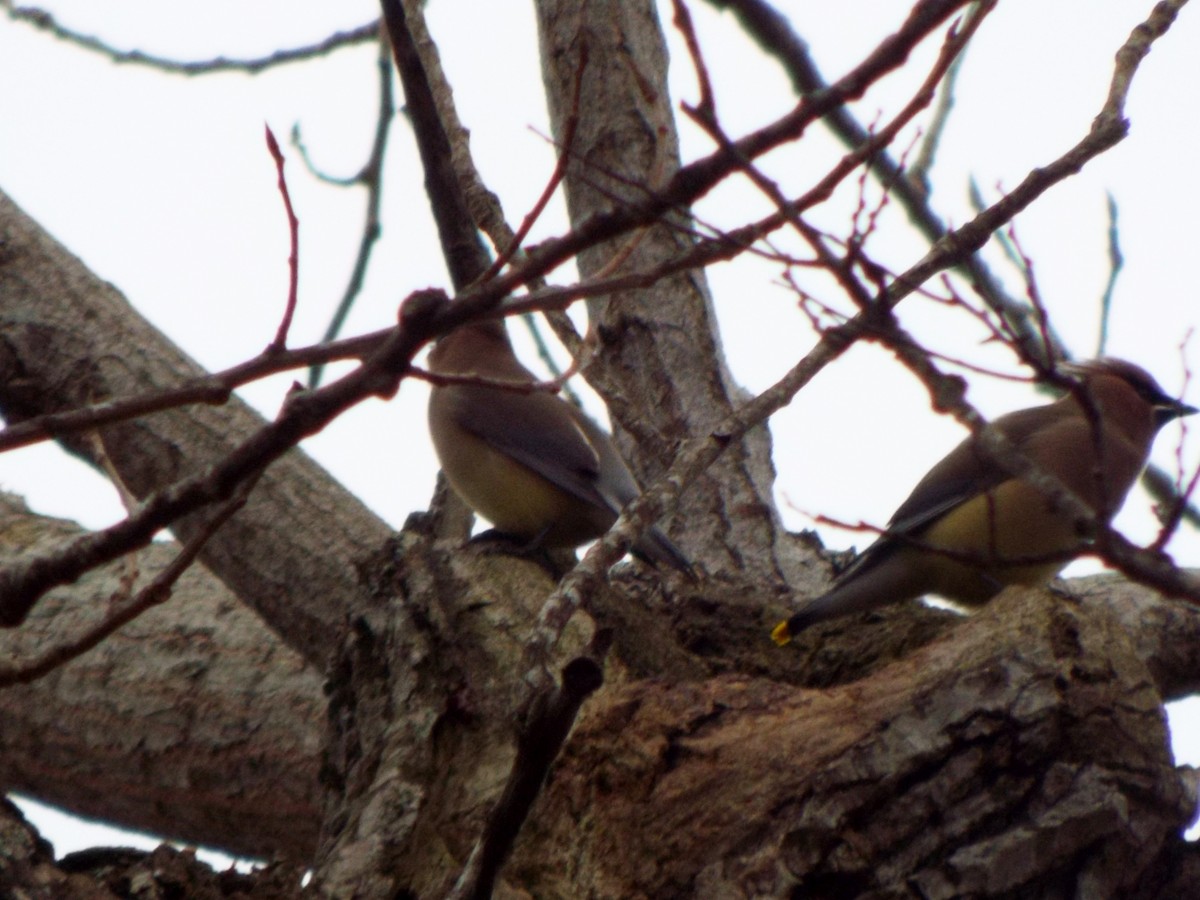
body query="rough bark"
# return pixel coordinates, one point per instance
(27, 864)
(1025, 753)
(424, 711)
(1165, 633)
(194, 721)
(68, 338)
(659, 364)
(28, 872)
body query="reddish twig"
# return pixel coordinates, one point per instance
(1107, 129)
(212, 390)
(24, 581)
(1041, 316)
(774, 34)
(1174, 494)
(280, 342)
(556, 177)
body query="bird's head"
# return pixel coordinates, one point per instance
(1163, 406)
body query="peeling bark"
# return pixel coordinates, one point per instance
(1024, 751)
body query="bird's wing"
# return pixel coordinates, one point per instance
(616, 482)
(961, 475)
(618, 487)
(540, 432)
(559, 442)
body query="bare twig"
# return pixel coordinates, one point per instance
(371, 177)
(483, 204)
(1107, 129)
(285, 325)
(704, 114)
(25, 580)
(774, 34)
(423, 318)
(212, 390)
(1115, 263)
(1148, 566)
(512, 241)
(44, 21)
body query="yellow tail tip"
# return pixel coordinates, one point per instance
(781, 635)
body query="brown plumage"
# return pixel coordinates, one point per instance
(531, 463)
(992, 529)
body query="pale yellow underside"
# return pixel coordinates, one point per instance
(1016, 523)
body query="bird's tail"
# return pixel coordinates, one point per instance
(656, 548)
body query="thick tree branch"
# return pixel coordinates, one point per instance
(67, 339)
(1027, 748)
(194, 721)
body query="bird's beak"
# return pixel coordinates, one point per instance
(1173, 409)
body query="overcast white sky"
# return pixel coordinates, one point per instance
(162, 185)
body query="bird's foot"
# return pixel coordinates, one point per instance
(555, 561)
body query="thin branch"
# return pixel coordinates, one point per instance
(1148, 566)
(1170, 495)
(704, 114)
(1176, 498)
(212, 390)
(285, 325)
(424, 316)
(978, 204)
(25, 580)
(695, 180)
(774, 34)
(557, 372)
(483, 204)
(44, 21)
(1108, 128)
(918, 173)
(1116, 262)
(371, 177)
(512, 241)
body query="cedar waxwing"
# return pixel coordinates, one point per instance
(982, 518)
(531, 463)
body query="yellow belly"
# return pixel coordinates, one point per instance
(516, 499)
(1012, 535)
